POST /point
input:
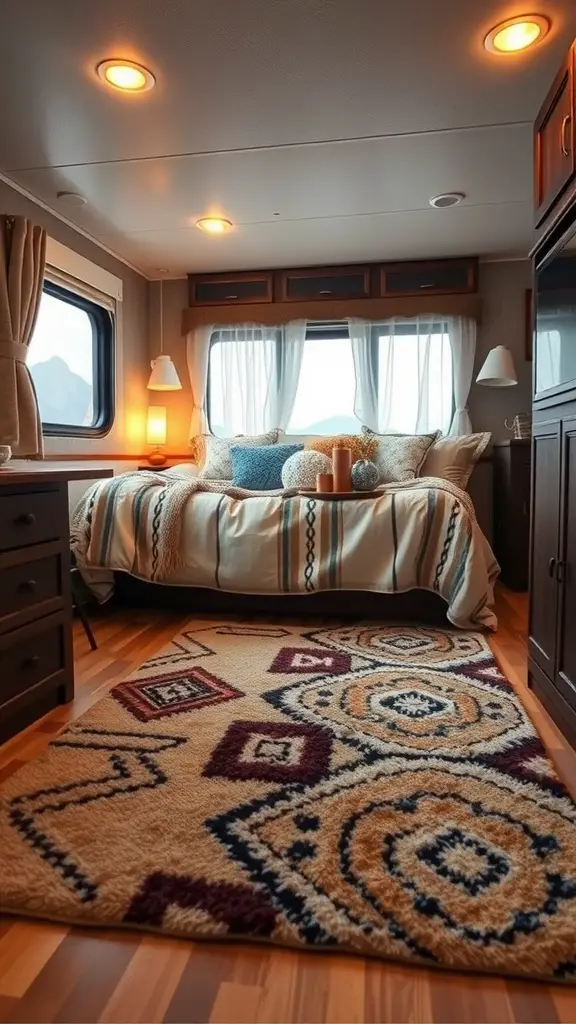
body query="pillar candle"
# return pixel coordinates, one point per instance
(324, 482)
(341, 465)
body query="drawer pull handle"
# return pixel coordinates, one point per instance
(565, 122)
(230, 296)
(32, 662)
(431, 285)
(551, 567)
(28, 585)
(26, 519)
(325, 291)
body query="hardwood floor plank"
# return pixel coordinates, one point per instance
(208, 967)
(24, 950)
(235, 1002)
(531, 1003)
(395, 995)
(346, 991)
(147, 986)
(278, 988)
(8, 1006)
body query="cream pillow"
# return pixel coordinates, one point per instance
(399, 457)
(454, 458)
(213, 453)
(301, 468)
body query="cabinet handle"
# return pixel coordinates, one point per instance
(26, 519)
(560, 571)
(230, 296)
(565, 122)
(431, 285)
(325, 291)
(28, 585)
(32, 662)
(551, 567)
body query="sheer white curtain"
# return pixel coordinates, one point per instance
(197, 352)
(253, 377)
(462, 334)
(403, 374)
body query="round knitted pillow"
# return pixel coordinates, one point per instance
(301, 468)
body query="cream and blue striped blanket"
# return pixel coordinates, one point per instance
(173, 528)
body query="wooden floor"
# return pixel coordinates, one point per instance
(53, 973)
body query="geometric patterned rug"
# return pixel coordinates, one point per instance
(377, 789)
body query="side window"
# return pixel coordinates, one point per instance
(71, 360)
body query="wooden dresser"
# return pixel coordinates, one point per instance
(36, 663)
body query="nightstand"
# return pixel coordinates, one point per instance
(512, 510)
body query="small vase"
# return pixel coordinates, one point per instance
(365, 475)
(5, 454)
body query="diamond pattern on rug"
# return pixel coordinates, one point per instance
(311, 659)
(173, 693)
(240, 907)
(185, 648)
(272, 752)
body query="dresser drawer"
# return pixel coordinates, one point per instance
(30, 584)
(30, 517)
(26, 662)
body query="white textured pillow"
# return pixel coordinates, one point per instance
(400, 456)
(213, 453)
(301, 468)
(454, 458)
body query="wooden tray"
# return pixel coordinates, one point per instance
(340, 495)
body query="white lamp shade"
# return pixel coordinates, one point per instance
(164, 376)
(156, 424)
(498, 370)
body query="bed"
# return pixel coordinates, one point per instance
(173, 530)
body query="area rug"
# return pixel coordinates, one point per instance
(361, 788)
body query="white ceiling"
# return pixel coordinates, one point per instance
(319, 127)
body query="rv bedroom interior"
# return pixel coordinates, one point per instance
(288, 512)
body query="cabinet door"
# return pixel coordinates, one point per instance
(555, 162)
(566, 676)
(546, 455)
(230, 289)
(324, 283)
(434, 277)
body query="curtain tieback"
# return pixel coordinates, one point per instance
(13, 350)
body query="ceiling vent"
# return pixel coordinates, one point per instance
(446, 199)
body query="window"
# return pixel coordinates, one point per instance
(398, 374)
(71, 360)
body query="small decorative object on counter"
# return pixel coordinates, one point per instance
(341, 465)
(5, 454)
(521, 426)
(365, 475)
(325, 482)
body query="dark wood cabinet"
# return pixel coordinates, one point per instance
(435, 277)
(511, 513)
(230, 289)
(546, 463)
(566, 661)
(324, 283)
(554, 138)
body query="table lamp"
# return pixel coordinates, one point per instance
(156, 433)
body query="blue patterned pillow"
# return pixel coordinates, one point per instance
(259, 469)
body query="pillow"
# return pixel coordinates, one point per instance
(400, 457)
(364, 446)
(454, 458)
(213, 453)
(300, 469)
(259, 469)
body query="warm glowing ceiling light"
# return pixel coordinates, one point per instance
(214, 225)
(126, 75)
(517, 33)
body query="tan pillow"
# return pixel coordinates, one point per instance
(363, 446)
(399, 457)
(213, 453)
(454, 458)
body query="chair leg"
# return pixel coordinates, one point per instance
(86, 624)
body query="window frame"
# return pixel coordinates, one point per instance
(103, 365)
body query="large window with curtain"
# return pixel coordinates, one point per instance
(403, 375)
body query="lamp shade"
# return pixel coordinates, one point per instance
(164, 376)
(498, 370)
(156, 424)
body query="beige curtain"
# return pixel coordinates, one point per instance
(22, 259)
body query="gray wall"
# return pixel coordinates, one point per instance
(128, 432)
(503, 288)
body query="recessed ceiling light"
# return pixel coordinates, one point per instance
(446, 199)
(214, 225)
(517, 33)
(71, 198)
(126, 75)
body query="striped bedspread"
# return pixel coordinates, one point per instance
(173, 528)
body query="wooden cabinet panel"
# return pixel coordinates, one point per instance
(230, 289)
(512, 511)
(29, 518)
(554, 136)
(30, 587)
(436, 277)
(566, 675)
(324, 283)
(28, 656)
(546, 457)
